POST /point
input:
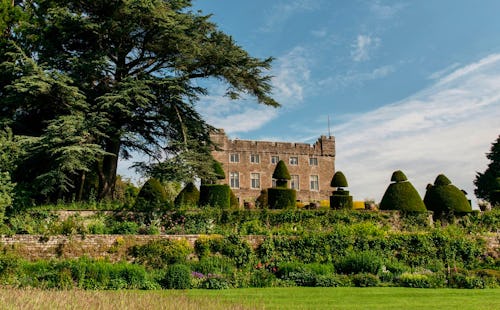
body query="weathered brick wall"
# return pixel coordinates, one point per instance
(112, 247)
(323, 150)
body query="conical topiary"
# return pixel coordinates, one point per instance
(444, 197)
(151, 197)
(219, 172)
(281, 174)
(401, 195)
(188, 196)
(338, 180)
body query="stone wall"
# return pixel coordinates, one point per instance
(323, 151)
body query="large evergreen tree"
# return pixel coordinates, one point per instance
(486, 182)
(130, 68)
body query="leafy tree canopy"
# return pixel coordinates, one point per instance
(114, 77)
(485, 182)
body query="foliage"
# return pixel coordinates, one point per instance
(485, 182)
(340, 199)
(131, 68)
(398, 176)
(359, 262)
(215, 195)
(422, 280)
(160, 253)
(443, 197)
(178, 276)
(261, 201)
(281, 198)
(281, 174)
(339, 180)
(218, 171)
(189, 196)
(401, 195)
(365, 280)
(233, 200)
(151, 197)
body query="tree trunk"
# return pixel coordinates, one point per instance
(107, 174)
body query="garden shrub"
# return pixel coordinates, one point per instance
(214, 264)
(6, 193)
(281, 174)
(178, 276)
(281, 198)
(233, 200)
(125, 228)
(359, 262)
(262, 278)
(215, 195)
(339, 180)
(188, 196)
(422, 280)
(443, 197)
(151, 197)
(215, 282)
(340, 199)
(365, 280)
(261, 201)
(401, 195)
(158, 254)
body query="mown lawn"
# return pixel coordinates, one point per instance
(268, 298)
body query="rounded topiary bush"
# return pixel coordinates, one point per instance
(444, 197)
(215, 195)
(281, 174)
(151, 197)
(401, 195)
(188, 196)
(178, 276)
(281, 198)
(338, 180)
(340, 198)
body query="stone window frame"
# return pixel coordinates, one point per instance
(255, 158)
(234, 179)
(275, 159)
(313, 161)
(292, 182)
(255, 185)
(314, 182)
(234, 157)
(293, 160)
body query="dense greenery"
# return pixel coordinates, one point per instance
(215, 195)
(86, 83)
(281, 198)
(401, 195)
(340, 198)
(151, 197)
(444, 197)
(188, 196)
(281, 174)
(486, 181)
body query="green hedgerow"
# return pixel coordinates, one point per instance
(401, 195)
(215, 195)
(281, 198)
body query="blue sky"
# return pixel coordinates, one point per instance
(409, 85)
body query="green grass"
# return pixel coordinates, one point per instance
(355, 298)
(266, 298)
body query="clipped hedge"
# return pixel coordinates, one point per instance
(188, 196)
(215, 195)
(339, 180)
(281, 174)
(401, 195)
(444, 197)
(151, 197)
(340, 199)
(281, 198)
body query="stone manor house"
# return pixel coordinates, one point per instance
(249, 165)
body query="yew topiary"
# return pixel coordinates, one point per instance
(340, 198)
(444, 197)
(215, 195)
(281, 198)
(401, 195)
(338, 180)
(151, 197)
(188, 196)
(281, 174)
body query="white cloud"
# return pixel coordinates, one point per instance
(384, 11)
(350, 78)
(446, 128)
(284, 10)
(291, 75)
(363, 46)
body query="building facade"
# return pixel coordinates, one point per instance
(249, 166)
